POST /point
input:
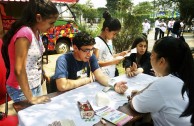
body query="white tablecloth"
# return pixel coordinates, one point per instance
(65, 106)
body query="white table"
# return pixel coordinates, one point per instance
(64, 106)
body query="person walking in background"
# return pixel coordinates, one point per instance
(138, 62)
(169, 99)
(22, 51)
(157, 28)
(106, 59)
(80, 67)
(176, 29)
(182, 27)
(146, 27)
(162, 28)
(170, 26)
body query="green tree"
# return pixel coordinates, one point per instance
(100, 12)
(90, 14)
(143, 8)
(119, 7)
(89, 4)
(186, 8)
(132, 28)
(111, 6)
(131, 24)
(79, 9)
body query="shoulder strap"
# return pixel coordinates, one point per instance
(105, 43)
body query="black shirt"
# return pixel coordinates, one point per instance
(144, 62)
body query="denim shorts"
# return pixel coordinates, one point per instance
(17, 95)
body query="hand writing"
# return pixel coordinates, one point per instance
(133, 93)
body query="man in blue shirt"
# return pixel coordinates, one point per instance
(80, 67)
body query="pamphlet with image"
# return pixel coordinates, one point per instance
(114, 116)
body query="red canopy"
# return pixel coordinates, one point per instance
(55, 1)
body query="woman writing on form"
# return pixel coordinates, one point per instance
(169, 99)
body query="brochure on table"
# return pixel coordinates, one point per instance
(114, 116)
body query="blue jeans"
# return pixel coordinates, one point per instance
(17, 95)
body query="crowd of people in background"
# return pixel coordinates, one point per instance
(173, 27)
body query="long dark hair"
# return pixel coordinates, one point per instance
(137, 41)
(113, 24)
(43, 7)
(180, 60)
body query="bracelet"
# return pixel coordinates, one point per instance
(112, 87)
(112, 83)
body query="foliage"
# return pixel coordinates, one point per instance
(119, 8)
(93, 32)
(87, 12)
(78, 9)
(143, 8)
(89, 4)
(186, 8)
(100, 12)
(112, 6)
(90, 13)
(131, 25)
(132, 28)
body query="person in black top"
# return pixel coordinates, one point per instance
(176, 28)
(138, 62)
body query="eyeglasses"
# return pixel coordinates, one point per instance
(87, 50)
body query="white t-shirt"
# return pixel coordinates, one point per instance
(157, 24)
(163, 26)
(163, 99)
(146, 27)
(105, 55)
(170, 24)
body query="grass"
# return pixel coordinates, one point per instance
(121, 69)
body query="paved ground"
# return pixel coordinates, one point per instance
(50, 67)
(187, 35)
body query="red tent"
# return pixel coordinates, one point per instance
(8, 20)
